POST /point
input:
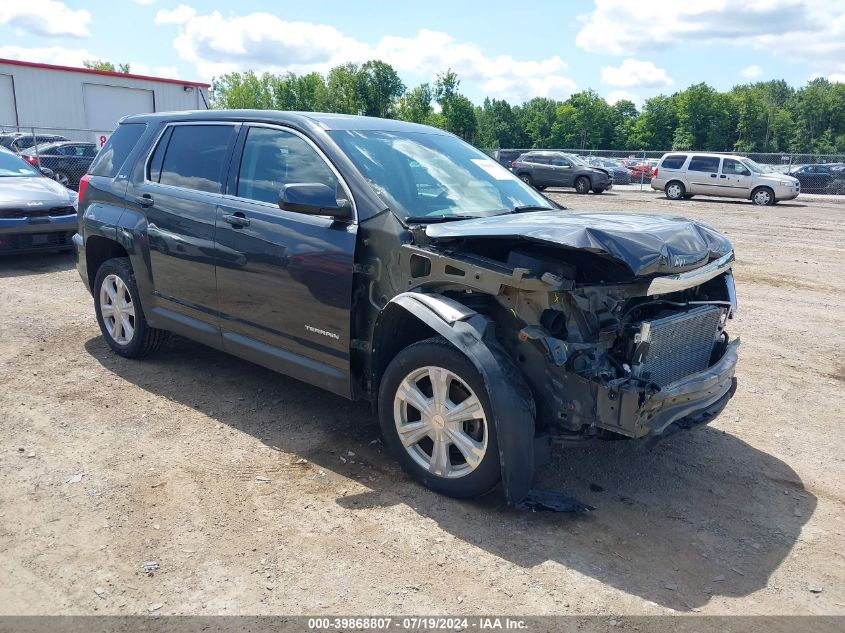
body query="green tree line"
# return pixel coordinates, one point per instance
(769, 116)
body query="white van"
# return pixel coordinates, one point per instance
(687, 174)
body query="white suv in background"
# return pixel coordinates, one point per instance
(686, 174)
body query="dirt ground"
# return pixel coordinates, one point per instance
(247, 492)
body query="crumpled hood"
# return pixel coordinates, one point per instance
(646, 244)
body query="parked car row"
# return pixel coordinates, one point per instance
(69, 160)
(824, 178)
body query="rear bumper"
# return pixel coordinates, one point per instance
(18, 235)
(81, 261)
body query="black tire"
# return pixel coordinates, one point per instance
(543, 188)
(582, 184)
(526, 178)
(675, 190)
(599, 191)
(688, 196)
(438, 353)
(763, 197)
(145, 340)
(62, 178)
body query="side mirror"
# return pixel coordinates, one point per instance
(314, 198)
(48, 172)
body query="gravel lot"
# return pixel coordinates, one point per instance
(253, 493)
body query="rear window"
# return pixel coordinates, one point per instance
(704, 163)
(675, 161)
(116, 150)
(194, 157)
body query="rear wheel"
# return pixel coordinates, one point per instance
(582, 184)
(763, 197)
(435, 416)
(526, 178)
(675, 190)
(119, 312)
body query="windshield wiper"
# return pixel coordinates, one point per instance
(428, 219)
(531, 207)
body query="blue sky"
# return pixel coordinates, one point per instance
(621, 48)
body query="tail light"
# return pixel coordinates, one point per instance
(83, 185)
(654, 173)
(513, 163)
(31, 160)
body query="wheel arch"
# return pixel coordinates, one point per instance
(511, 400)
(99, 249)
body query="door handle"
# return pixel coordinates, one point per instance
(145, 200)
(723, 176)
(237, 220)
(712, 175)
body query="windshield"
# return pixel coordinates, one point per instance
(757, 169)
(419, 175)
(577, 160)
(12, 166)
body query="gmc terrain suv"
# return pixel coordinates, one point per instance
(395, 263)
(557, 169)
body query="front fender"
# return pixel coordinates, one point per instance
(511, 400)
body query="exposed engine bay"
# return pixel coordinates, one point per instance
(607, 353)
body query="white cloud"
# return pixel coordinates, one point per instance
(633, 72)
(620, 95)
(74, 57)
(264, 42)
(751, 72)
(44, 17)
(49, 55)
(180, 15)
(837, 78)
(140, 68)
(807, 31)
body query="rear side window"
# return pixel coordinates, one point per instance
(704, 163)
(675, 161)
(117, 148)
(536, 159)
(194, 157)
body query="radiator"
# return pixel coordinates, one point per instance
(678, 345)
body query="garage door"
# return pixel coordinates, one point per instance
(106, 105)
(8, 113)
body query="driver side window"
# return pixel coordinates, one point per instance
(275, 158)
(734, 168)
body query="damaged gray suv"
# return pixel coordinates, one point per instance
(394, 263)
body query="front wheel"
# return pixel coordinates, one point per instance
(119, 312)
(435, 417)
(582, 185)
(526, 178)
(763, 197)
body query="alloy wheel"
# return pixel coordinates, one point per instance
(440, 422)
(117, 310)
(762, 197)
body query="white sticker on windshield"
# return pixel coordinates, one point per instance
(497, 171)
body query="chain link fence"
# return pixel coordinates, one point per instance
(61, 153)
(818, 173)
